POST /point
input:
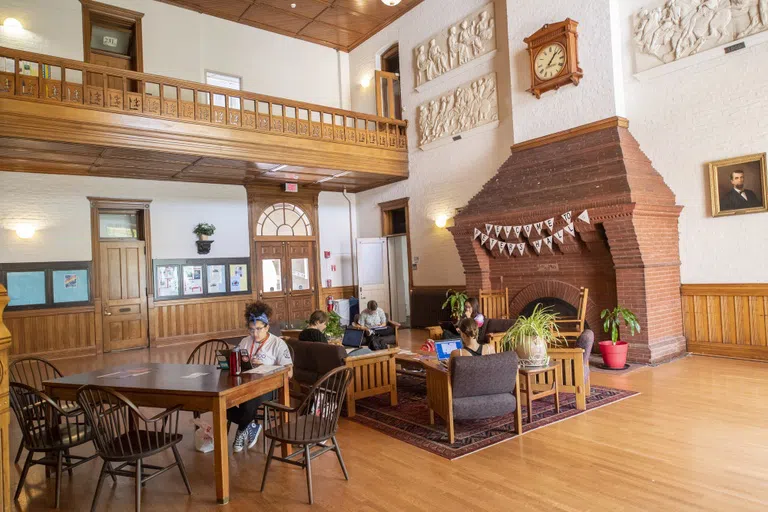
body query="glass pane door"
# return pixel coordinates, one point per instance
(300, 274)
(272, 275)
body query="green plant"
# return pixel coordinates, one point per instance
(333, 328)
(204, 229)
(456, 302)
(540, 324)
(612, 321)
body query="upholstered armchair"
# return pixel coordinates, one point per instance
(475, 388)
(391, 340)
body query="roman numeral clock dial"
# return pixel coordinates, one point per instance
(550, 61)
(553, 50)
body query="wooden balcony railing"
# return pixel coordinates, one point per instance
(51, 79)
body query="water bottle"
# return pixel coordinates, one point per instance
(234, 362)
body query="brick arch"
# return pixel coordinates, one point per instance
(559, 290)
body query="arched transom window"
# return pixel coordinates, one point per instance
(283, 219)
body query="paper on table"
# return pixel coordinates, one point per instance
(263, 368)
(406, 352)
(108, 375)
(195, 375)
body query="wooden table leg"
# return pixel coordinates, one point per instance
(529, 396)
(286, 400)
(221, 450)
(557, 389)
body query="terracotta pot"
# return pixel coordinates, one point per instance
(532, 352)
(614, 356)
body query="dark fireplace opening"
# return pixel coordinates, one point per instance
(559, 306)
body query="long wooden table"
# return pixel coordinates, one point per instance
(163, 386)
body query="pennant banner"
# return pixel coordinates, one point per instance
(567, 217)
(550, 223)
(477, 234)
(527, 230)
(488, 228)
(502, 245)
(507, 231)
(538, 226)
(559, 236)
(548, 241)
(537, 246)
(497, 229)
(569, 229)
(511, 249)
(584, 217)
(493, 243)
(483, 239)
(521, 249)
(517, 230)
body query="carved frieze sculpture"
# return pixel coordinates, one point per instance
(679, 28)
(462, 42)
(468, 106)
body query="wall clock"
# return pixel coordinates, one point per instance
(554, 55)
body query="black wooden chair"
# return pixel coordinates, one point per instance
(49, 429)
(123, 434)
(205, 353)
(33, 371)
(309, 425)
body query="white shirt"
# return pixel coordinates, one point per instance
(274, 351)
(373, 318)
(741, 193)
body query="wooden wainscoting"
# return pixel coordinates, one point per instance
(726, 319)
(427, 305)
(183, 321)
(53, 333)
(337, 292)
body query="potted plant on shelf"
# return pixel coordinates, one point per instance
(614, 352)
(204, 230)
(456, 302)
(529, 336)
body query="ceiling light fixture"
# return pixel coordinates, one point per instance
(293, 6)
(12, 25)
(25, 230)
(329, 178)
(391, 3)
(276, 168)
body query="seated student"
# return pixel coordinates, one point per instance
(472, 310)
(373, 321)
(316, 329)
(470, 347)
(262, 347)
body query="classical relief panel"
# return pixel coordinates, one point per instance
(671, 30)
(469, 106)
(458, 44)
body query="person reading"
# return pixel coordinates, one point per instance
(373, 321)
(318, 321)
(259, 348)
(472, 310)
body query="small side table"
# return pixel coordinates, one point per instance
(547, 385)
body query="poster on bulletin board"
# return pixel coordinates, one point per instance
(238, 278)
(216, 279)
(193, 279)
(26, 288)
(167, 281)
(70, 286)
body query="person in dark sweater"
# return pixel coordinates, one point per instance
(316, 329)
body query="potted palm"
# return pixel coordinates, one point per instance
(456, 302)
(529, 336)
(204, 230)
(614, 352)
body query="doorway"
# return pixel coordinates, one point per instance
(395, 220)
(120, 241)
(286, 277)
(388, 99)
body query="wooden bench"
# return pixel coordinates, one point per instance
(494, 303)
(374, 374)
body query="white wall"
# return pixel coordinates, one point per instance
(333, 213)
(711, 111)
(445, 178)
(180, 43)
(57, 206)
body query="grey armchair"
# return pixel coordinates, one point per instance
(475, 388)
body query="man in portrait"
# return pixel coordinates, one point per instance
(738, 197)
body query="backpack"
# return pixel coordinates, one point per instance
(377, 343)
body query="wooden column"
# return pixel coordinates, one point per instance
(5, 413)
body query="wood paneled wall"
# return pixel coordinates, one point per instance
(5, 412)
(53, 333)
(337, 292)
(726, 319)
(183, 321)
(427, 305)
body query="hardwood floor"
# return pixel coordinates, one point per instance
(694, 439)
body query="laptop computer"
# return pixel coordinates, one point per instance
(222, 356)
(444, 349)
(353, 339)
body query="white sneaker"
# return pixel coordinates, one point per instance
(253, 430)
(240, 438)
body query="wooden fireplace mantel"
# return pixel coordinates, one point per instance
(611, 122)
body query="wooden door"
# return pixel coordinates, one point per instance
(373, 271)
(270, 260)
(300, 280)
(116, 61)
(124, 294)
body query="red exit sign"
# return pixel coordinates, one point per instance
(291, 187)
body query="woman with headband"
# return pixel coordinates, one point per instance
(261, 347)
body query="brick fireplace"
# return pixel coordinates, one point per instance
(627, 254)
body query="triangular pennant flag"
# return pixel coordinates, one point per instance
(507, 231)
(517, 230)
(537, 246)
(477, 234)
(548, 241)
(550, 223)
(488, 228)
(584, 217)
(569, 229)
(538, 226)
(493, 243)
(511, 249)
(483, 239)
(559, 236)
(521, 248)
(566, 217)
(527, 230)
(502, 245)
(497, 229)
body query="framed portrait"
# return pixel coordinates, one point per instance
(739, 185)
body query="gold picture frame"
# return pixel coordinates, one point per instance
(725, 178)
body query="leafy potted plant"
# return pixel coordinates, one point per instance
(204, 230)
(529, 336)
(333, 328)
(614, 352)
(456, 302)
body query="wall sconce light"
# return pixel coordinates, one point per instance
(25, 231)
(441, 221)
(365, 81)
(12, 26)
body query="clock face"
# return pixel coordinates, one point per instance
(549, 61)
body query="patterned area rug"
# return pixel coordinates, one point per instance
(409, 420)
